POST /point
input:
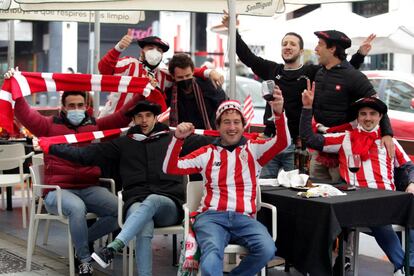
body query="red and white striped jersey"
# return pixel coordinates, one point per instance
(230, 177)
(376, 172)
(111, 64)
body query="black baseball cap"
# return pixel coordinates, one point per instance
(336, 37)
(154, 40)
(144, 106)
(372, 102)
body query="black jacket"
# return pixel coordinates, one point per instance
(336, 89)
(291, 82)
(187, 106)
(140, 163)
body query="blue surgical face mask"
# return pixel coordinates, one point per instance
(76, 116)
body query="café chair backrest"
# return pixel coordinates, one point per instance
(11, 156)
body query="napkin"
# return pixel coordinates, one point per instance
(322, 190)
(292, 178)
(268, 182)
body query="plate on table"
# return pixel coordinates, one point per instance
(303, 188)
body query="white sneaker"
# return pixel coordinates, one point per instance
(399, 272)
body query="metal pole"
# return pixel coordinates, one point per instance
(232, 48)
(193, 35)
(10, 49)
(96, 58)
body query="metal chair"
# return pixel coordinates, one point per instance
(358, 230)
(194, 195)
(128, 256)
(13, 156)
(37, 173)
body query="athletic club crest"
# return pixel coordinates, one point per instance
(243, 155)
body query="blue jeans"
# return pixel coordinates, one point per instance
(215, 230)
(388, 240)
(141, 217)
(76, 204)
(284, 160)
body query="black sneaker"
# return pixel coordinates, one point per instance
(85, 269)
(104, 256)
(336, 268)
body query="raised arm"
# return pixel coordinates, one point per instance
(261, 67)
(215, 77)
(107, 64)
(188, 164)
(358, 58)
(313, 140)
(31, 119)
(267, 150)
(328, 142)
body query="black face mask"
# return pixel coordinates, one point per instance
(185, 84)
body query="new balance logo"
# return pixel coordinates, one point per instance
(217, 163)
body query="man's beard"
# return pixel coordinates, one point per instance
(290, 60)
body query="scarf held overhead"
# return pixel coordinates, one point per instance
(27, 83)
(46, 142)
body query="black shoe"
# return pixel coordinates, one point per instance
(85, 269)
(77, 263)
(347, 266)
(104, 256)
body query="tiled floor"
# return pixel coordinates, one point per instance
(51, 259)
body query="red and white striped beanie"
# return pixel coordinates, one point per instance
(227, 105)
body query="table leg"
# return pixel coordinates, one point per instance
(287, 266)
(9, 198)
(341, 255)
(407, 250)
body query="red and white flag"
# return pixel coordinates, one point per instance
(26, 83)
(248, 110)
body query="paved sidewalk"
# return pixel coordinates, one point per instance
(12, 261)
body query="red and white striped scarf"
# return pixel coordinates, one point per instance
(46, 142)
(27, 83)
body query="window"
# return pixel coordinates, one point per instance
(370, 8)
(396, 94)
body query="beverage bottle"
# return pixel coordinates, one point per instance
(303, 157)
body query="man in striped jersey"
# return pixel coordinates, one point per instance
(230, 167)
(146, 65)
(377, 168)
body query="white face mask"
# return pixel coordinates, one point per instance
(153, 57)
(76, 116)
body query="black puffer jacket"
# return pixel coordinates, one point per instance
(140, 163)
(336, 89)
